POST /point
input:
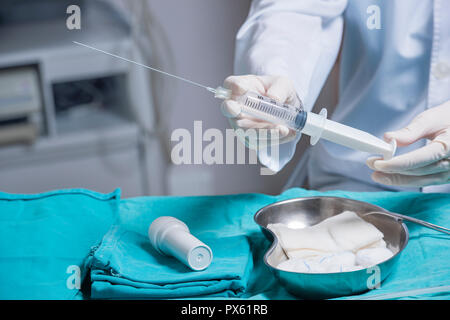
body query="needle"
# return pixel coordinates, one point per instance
(145, 66)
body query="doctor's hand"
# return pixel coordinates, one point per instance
(429, 165)
(278, 88)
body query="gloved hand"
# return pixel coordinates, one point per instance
(278, 88)
(425, 166)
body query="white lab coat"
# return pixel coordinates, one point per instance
(387, 75)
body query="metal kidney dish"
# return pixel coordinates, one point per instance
(304, 212)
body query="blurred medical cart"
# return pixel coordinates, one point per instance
(70, 117)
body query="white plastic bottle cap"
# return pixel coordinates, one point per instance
(171, 236)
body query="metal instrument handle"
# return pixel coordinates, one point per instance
(414, 220)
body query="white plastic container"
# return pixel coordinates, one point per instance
(172, 237)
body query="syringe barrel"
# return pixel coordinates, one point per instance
(270, 110)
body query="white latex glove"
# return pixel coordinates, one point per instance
(429, 165)
(278, 88)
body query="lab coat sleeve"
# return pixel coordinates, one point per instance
(299, 39)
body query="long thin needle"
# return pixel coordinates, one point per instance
(143, 65)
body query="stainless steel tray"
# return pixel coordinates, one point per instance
(303, 212)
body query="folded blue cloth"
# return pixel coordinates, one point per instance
(45, 238)
(126, 266)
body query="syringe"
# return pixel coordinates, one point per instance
(316, 126)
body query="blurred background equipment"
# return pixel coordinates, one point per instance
(20, 105)
(100, 123)
(70, 117)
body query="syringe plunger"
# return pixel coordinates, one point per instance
(318, 126)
